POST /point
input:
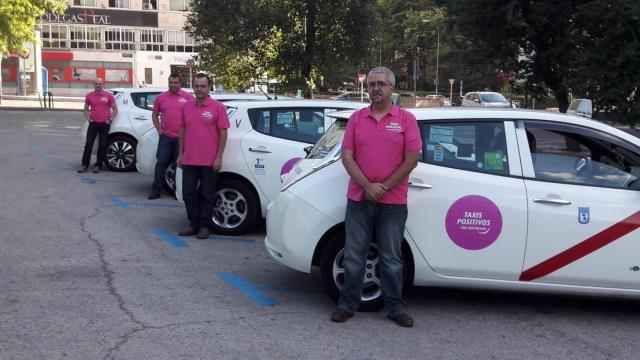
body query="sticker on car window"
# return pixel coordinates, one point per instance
(438, 153)
(473, 222)
(441, 134)
(493, 160)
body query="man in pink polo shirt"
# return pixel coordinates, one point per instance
(203, 136)
(168, 106)
(99, 110)
(381, 146)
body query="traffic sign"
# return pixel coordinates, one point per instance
(451, 81)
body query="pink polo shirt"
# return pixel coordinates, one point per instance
(170, 108)
(379, 149)
(100, 105)
(201, 124)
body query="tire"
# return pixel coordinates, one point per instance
(235, 209)
(332, 274)
(121, 153)
(170, 179)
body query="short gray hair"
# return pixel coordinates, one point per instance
(383, 70)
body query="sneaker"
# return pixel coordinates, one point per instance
(83, 169)
(153, 196)
(203, 233)
(96, 169)
(188, 232)
(402, 319)
(341, 315)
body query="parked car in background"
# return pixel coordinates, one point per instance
(501, 199)
(581, 107)
(264, 136)
(456, 100)
(485, 99)
(135, 106)
(353, 96)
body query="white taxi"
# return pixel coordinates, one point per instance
(501, 199)
(263, 138)
(135, 106)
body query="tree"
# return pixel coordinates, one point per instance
(297, 41)
(17, 21)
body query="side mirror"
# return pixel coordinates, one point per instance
(476, 100)
(307, 149)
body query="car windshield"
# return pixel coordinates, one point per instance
(494, 97)
(329, 141)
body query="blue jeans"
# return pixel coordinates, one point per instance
(166, 155)
(199, 200)
(365, 220)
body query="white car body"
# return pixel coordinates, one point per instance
(255, 154)
(135, 106)
(559, 231)
(485, 99)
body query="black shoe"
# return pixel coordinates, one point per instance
(96, 169)
(188, 232)
(402, 319)
(341, 315)
(203, 233)
(153, 196)
(83, 169)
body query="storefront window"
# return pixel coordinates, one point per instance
(84, 2)
(151, 40)
(119, 39)
(119, 4)
(85, 37)
(54, 36)
(179, 41)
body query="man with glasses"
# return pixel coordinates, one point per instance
(203, 136)
(99, 109)
(381, 146)
(167, 113)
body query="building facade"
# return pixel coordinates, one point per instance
(127, 43)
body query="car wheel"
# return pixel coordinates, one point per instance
(235, 207)
(332, 274)
(121, 153)
(170, 178)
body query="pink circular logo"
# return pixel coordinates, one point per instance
(289, 165)
(473, 222)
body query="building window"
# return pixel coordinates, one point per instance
(54, 36)
(180, 5)
(85, 37)
(179, 41)
(119, 39)
(151, 40)
(119, 4)
(84, 2)
(150, 4)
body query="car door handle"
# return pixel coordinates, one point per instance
(261, 151)
(551, 201)
(420, 185)
(141, 118)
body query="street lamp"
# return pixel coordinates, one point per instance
(437, 50)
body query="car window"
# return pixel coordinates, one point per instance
(298, 124)
(144, 100)
(493, 98)
(474, 146)
(574, 155)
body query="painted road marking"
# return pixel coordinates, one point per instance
(286, 288)
(582, 249)
(119, 203)
(169, 237)
(250, 290)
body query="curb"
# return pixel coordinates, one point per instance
(18, 108)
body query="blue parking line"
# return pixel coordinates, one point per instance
(248, 289)
(169, 237)
(87, 180)
(119, 203)
(158, 205)
(286, 288)
(232, 238)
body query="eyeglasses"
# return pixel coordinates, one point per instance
(380, 84)
(98, 83)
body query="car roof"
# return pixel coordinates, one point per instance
(297, 102)
(488, 114)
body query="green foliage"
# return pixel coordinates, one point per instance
(299, 42)
(17, 20)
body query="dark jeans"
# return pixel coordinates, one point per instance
(199, 201)
(166, 155)
(363, 221)
(102, 131)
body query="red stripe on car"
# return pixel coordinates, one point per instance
(582, 249)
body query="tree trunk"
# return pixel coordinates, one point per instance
(561, 94)
(309, 45)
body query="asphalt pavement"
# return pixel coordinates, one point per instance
(91, 269)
